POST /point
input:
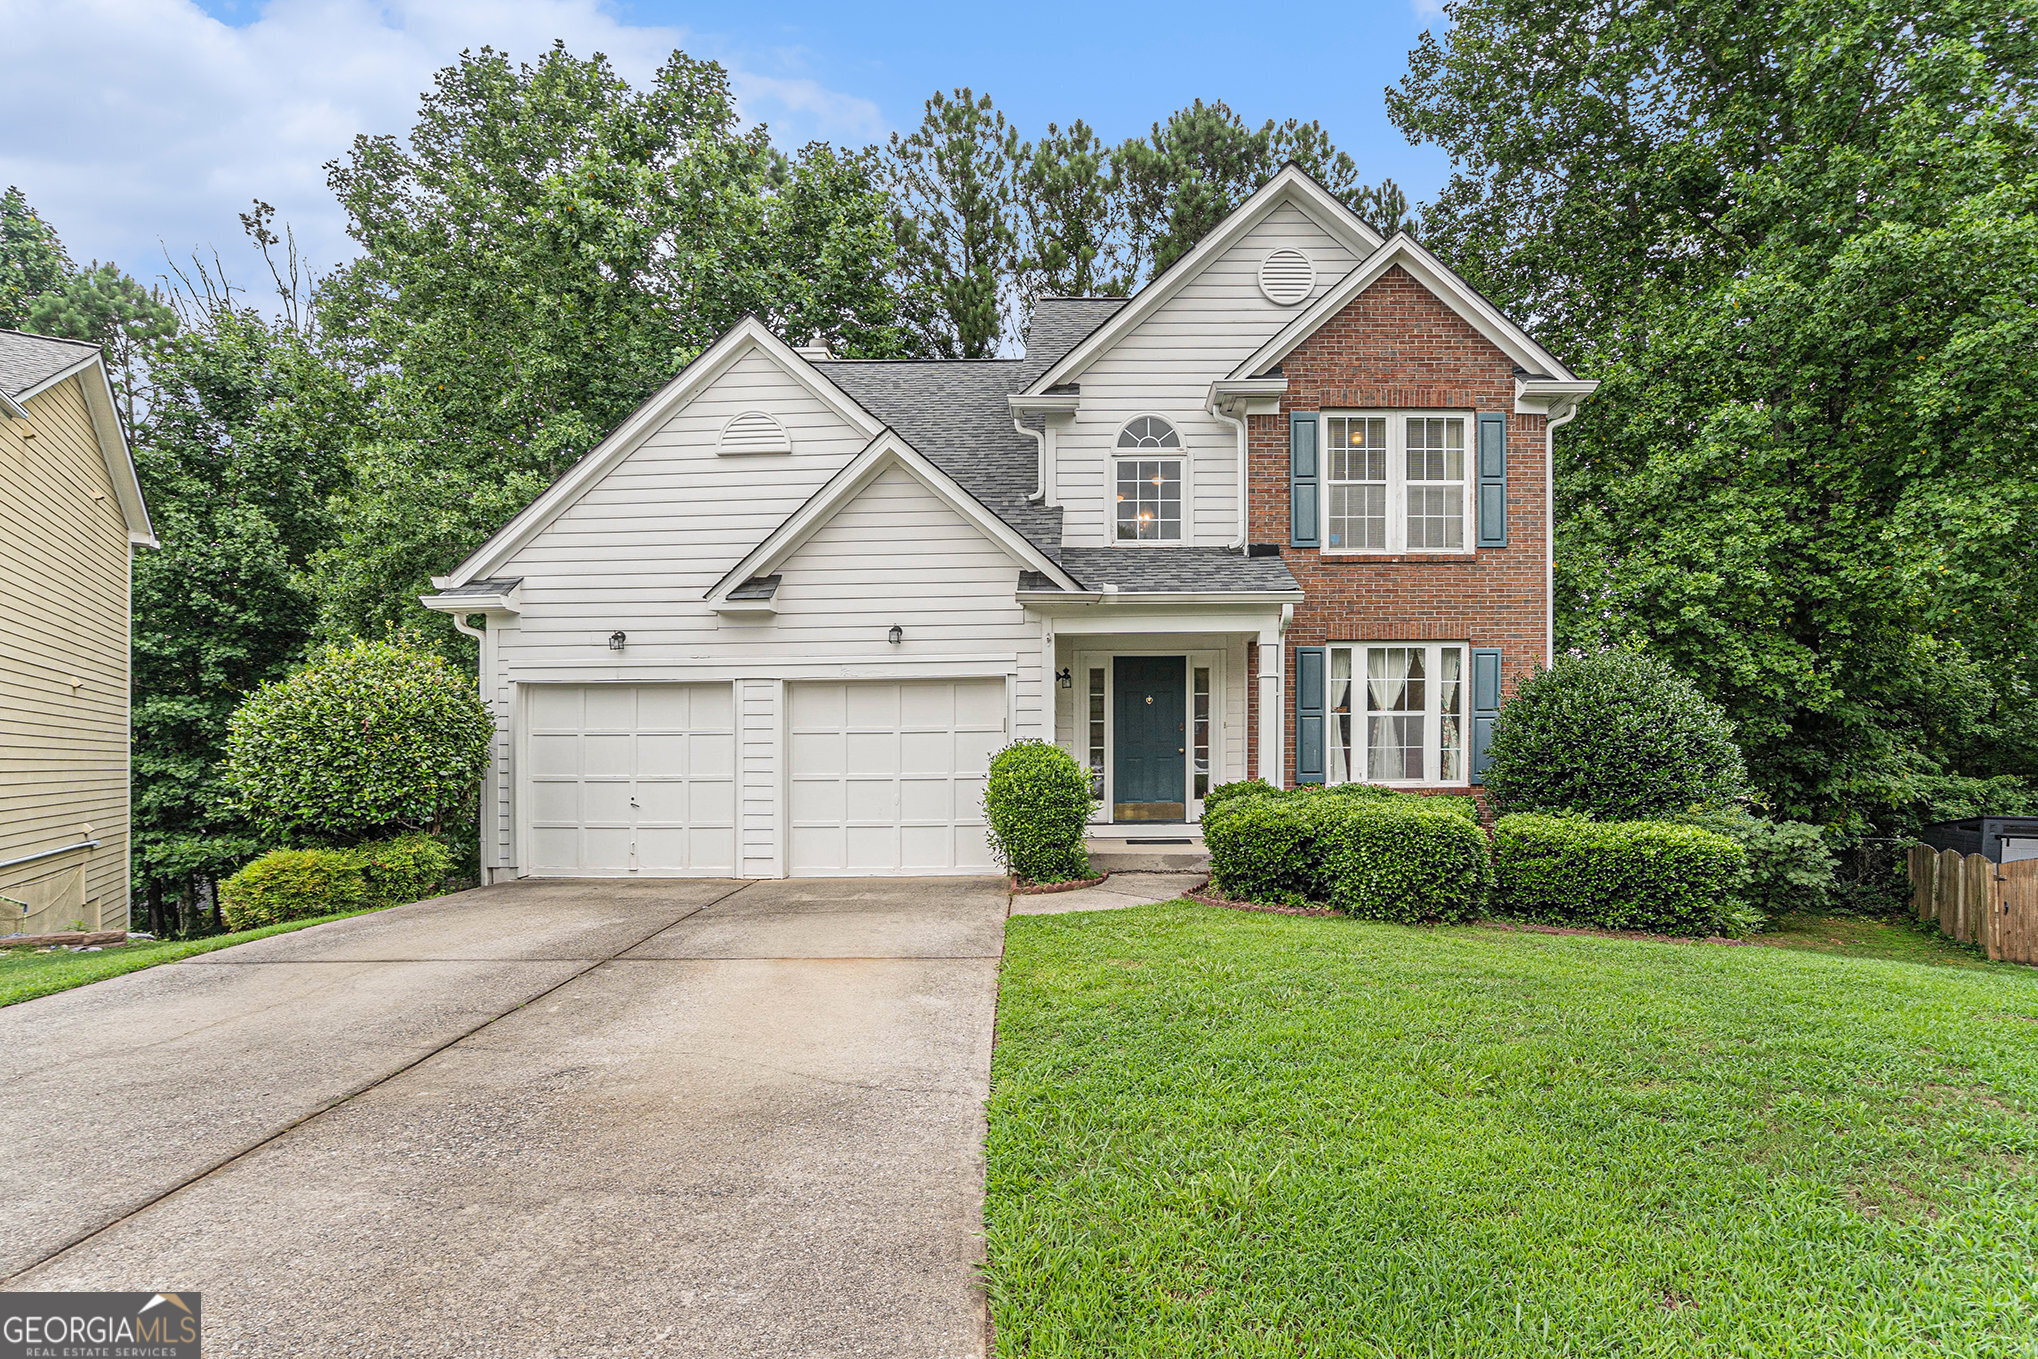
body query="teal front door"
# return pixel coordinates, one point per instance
(1150, 734)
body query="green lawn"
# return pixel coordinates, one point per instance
(26, 974)
(1221, 1133)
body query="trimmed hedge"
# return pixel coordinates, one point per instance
(1037, 802)
(296, 884)
(293, 884)
(408, 868)
(1380, 855)
(1626, 875)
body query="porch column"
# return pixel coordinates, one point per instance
(1271, 699)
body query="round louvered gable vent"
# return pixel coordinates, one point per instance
(755, 432)
(1287, 277)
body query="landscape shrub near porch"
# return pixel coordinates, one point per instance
(1624, 875)
(1375, 853)
(291, 884)
(1037, 802)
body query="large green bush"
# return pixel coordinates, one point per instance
(1790, 865)
(1628, 875)
(365, 740)
(408, 868)
(292, 884)
(1373, 853)
(1617, 736)
(1037, 802)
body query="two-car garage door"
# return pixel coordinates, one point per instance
(877, 777)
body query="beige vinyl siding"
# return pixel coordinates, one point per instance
(1165, 366)
(64, 572)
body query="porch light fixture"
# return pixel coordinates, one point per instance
(616, 640)
(896, 635)
(1065, 678)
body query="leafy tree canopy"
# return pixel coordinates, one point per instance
(32, 259)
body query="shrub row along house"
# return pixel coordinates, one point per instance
(1284, 513)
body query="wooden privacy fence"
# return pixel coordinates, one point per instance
(1978, 901)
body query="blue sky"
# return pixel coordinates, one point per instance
(142, 127)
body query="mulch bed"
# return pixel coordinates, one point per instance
(1210, 896)
(1034, 889)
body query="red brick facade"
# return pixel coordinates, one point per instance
(1397, 347)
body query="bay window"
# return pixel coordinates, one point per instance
(1396, 713)
(1396, 482)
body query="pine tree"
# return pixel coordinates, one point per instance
(32, 259)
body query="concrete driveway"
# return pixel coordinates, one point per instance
(560, 1119)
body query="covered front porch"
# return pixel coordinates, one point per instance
(1157, 703)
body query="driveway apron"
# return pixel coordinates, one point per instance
(538, 1119)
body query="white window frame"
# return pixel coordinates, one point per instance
(1397, 482)
(1432, 713)
(1179, 455)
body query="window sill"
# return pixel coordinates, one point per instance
(1359, 558)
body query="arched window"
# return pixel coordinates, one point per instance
(1148, 431)
(1149, 482)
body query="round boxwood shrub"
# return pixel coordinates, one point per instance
(408, 868)
(292, 884)
(1037, 801)
(1396, 859)
(1262, 845)
(365, 740)
(1618, 736)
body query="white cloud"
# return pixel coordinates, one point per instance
(1426, 10)
(140, 125)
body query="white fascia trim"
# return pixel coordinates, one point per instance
(1059, 403)
(745, 336)
(887, 450)
(11, 408)
(508, 601)
(1553, 397)
(1291, 184)
(738, 608)
(97, 388)
(1434, 275)
(29, 394)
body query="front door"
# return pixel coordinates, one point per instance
(1150, 738)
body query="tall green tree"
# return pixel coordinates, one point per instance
(954, 181)
(1072, 240)
(234, 459)
(1796, 241)
(129, 322)
(546, 248)
(32, 258)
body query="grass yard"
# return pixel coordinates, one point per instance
(26, 974)
(1221, 1133)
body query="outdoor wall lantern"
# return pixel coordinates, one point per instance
(616, 640)
(1064, 678)
(897, 634)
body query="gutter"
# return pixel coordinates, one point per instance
(1550, 427)
(1234, 392)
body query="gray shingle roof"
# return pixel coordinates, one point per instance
(28, 361)
(1200, 569)
(1059, 325)
(954, 413)
(757, 587)
(497, 585)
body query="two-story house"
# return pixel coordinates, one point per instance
(71, 515)
(1285, 512)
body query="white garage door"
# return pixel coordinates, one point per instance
(889, 778)
(630, 778)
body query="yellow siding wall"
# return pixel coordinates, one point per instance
(64, 559)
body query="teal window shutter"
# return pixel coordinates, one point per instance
(1303, 479)
(1485, 706)
(1492, 479)
(1310, 666)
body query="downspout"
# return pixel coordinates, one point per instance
(1039, 437)
(1550, 427)
(1238, 425)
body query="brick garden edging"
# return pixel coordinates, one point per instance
(1042, 888)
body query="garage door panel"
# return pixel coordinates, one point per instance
(625, 778)
(896, 784)
(711, 756)
(872, 752)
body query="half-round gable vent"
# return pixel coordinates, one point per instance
(1287, 277)
(755, 432)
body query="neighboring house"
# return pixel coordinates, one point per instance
(71, 515)
(1284, 513)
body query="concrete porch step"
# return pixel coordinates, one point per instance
(1149, 849)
